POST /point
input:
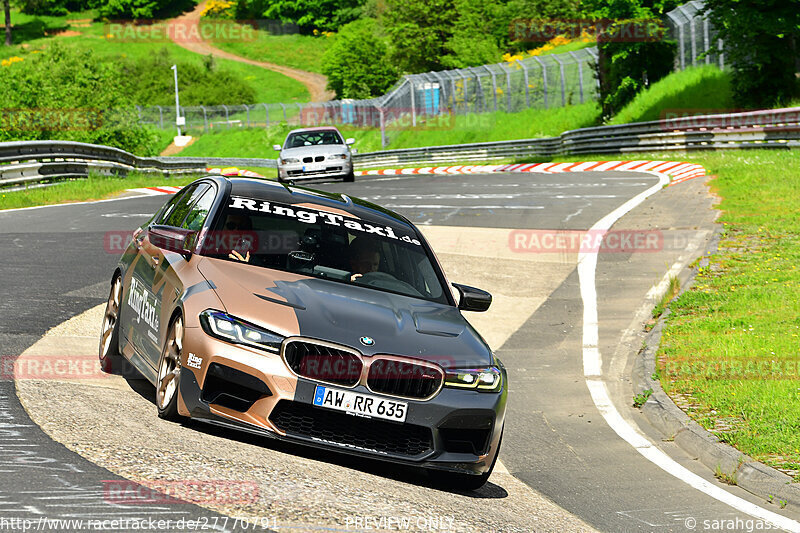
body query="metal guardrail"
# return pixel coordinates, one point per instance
(779, 128)
(24, 162)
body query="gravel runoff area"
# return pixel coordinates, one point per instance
(113, 423)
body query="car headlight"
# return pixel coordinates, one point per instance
(289, 161)
(337, 156)
(231, 329)
(483, 379)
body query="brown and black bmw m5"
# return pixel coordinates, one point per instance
(309, 317)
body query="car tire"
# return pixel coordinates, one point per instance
(350, 177)
(169, 372)
(111, 359)
(470, 482)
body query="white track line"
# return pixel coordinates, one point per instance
(74, 203)
(593, 372)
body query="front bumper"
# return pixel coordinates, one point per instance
(456, 431)
(325, 169)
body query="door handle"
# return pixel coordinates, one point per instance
(154, 260)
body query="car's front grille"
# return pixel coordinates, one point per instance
(404, 378)
(358, 433)
(312, 159)
(323, 363)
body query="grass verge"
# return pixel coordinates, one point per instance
(95, 187)
(730, 351)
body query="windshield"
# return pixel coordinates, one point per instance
(312, 138)
(328, 245)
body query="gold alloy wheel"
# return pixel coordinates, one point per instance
(110, 321)
(169, 368)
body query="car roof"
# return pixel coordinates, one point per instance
(320, 128)
(262, 189)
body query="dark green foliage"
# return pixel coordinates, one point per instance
(150, 81)
(142, 9)
(627, 68)
(309, 15)
(54, 7)
(66, 94)
(419, 31)
(356, 64)
(762, 42)
(633, 50)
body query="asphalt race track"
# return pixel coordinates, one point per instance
(54, 267)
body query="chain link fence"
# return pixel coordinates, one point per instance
(540, 82)
(697, 40)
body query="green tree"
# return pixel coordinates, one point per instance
(478, 35)
(142, 9)
(419, 31)
(633, 50)
(324, 15)
(7, 14)
(357, 62)
(762, 43)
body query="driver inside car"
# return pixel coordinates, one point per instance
(238, 223)
(364, 257)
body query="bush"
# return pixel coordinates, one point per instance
(627, 68)
(142, 9)
(54, 7)
(309, 15)
(69, 95)
(150, 81)
(357, 63)
(762, 42)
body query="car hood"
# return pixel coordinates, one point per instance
(314, 150)
(291, 304)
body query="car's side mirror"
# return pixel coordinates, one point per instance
(472, 299)
(350, 141)
(276, 147)
(180, 241)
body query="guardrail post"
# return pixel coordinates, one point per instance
(527, 91)
(681, 41)
(494, 85)
(247, 107)
(205, 119)
(580, 73)
(544, 79)
(694, 41)
(706, 41)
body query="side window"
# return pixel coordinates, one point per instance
(167, 210)
(199, 211)
(183, 205)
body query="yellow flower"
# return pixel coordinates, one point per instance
(10, 61)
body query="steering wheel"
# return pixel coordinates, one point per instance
(386, 281)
